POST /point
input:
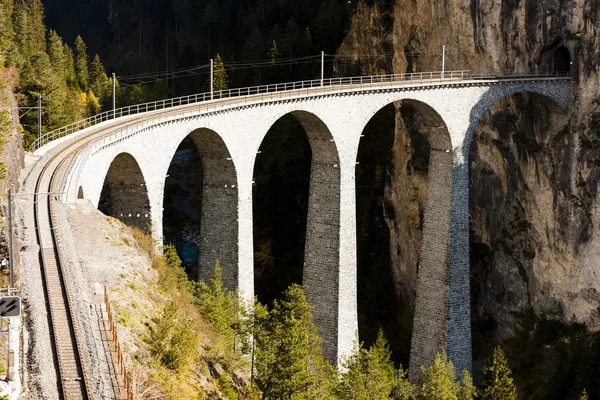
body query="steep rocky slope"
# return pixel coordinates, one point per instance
(11, 149)
(535, 243)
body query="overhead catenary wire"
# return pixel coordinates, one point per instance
(204, 69)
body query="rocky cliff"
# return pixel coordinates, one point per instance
(11, 149)
(535, 214)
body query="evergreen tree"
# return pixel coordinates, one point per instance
(497, 382)
(584, 395)
(439, 380)
(218, 305)
(466, 389)
(369, 374)
(70, 75)
(30, 29)
(289, 363)
(220, 78)
(8, 49)
(58, 59)
(81, 63)
(98, 81)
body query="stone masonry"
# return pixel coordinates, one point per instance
(125, 192)
(228, 139)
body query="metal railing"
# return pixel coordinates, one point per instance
(419, 78)
(124, 380)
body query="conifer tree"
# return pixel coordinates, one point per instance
(57, 55)
(220, 78)
(289, 363)
(466, 389)
(81, 63)
(497, 382)
(369, 374)
(98, 81)
(439, 380)
(584, 395)
(7, 34)
(70, 75)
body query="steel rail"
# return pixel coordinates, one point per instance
(72, 371)
(401, 79)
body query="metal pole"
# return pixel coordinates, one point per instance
(39, 115)
(443, 60)
(114, 97)
(10, 242)
(322, 67)
(212, 64)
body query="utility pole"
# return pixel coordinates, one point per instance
(39, 98)
(322, 67)
(10, 244)
(114, 97)
(212, 65)
(443, 60)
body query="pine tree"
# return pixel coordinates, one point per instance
(289, 363)
(57, 55)
(98, 81)
(220, 78)
(584, 395)
(81, 63)
(70, 75)
(8, 48)
(439, 380)
(497, 382)
(466, 389)
(369, 374)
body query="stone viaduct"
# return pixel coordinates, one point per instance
(135, 160)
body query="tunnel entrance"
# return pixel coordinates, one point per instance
(562, 60)
(124, 193)
(80, 195)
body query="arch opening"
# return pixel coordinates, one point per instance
(562, 60)
(519, 207)
(80, 195)
(296, 200)
(124, 194)
(200, 217)
(280, 208)
(400, 144)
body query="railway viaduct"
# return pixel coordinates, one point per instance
(133, 154)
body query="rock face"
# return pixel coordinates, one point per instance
(535, 216)
(11, 153)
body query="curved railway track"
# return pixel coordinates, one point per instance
(72, 373)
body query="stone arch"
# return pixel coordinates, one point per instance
(562, 60)
(80, 195)
(553, 96)
(320, 272)
(124, 194)
(217, 239)
(430, 326)
(495, 178)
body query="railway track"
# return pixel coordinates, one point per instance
(72, 373)
(65, 335)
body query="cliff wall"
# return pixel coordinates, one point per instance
(535, 214)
